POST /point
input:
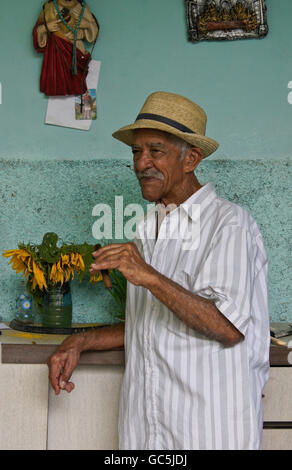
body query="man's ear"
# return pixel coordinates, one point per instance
(192, 159)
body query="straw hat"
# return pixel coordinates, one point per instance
(174, 114)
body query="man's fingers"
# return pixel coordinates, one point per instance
(63, 379)
(69, 367)
(106, 259)
(69, 387)
(55, 369)
(114, 247)
(111, 262)
(55, 384)
(61, 366)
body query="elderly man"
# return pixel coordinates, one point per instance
(196, 334)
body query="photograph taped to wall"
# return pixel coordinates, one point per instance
(85, 105)
(215, 20)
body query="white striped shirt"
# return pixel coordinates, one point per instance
(182, 390)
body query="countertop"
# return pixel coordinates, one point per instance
(30, 348)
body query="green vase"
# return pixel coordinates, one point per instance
(57, 307)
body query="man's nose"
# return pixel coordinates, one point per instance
(144, 161)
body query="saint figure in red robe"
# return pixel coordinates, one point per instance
(59, 34)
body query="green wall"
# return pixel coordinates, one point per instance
(51, 177)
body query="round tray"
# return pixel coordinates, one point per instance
(76, 328)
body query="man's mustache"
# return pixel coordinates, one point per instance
(151, 173)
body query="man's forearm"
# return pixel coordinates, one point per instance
(105, 338)
(195, 311)
(63, 362)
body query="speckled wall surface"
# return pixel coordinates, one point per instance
(51, 177)
(59, 196)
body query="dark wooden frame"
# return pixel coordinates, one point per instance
(229, 28)
(39, 353)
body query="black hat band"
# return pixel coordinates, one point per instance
(164, 120)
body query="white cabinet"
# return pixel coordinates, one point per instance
(277, 399)
(24, 406)
(32, 417)
(277, 403)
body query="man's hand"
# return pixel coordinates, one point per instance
(61, 366)
(126, 258)
(63, 362)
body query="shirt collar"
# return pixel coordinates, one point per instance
(203, 197)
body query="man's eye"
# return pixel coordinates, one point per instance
(157, 154)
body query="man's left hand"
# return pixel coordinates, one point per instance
(126, 258)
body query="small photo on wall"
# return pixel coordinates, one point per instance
(85, 105)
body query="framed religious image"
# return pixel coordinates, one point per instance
(213, 20)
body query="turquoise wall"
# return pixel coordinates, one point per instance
(51, 177)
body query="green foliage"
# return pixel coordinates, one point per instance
(119, 292)
(48, 252)
(86, 252)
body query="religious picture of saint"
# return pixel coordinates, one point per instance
(59, 33)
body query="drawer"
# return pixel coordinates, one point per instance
(277, 439)
(87, 418)
(24, 406)
(277, 399)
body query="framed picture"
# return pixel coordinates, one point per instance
(213, 20)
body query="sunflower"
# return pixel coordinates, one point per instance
(95, 278)
(53, 273)
(57, 273)
(76, 260)
(38, 277)
(65, 260)
(21, 261)
(68, 269)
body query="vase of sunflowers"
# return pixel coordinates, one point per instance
(48, 270)
(57, 306)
